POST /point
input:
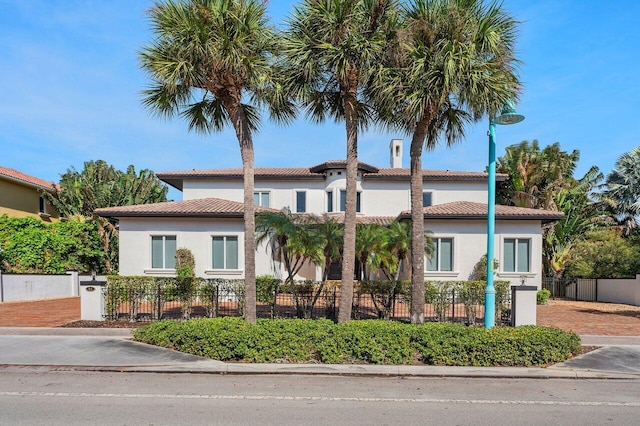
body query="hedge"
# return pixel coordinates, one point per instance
(367, 341)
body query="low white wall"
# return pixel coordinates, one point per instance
(24, 287)
(626, 291)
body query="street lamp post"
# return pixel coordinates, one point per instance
(507, 116)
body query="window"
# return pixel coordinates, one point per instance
(329, 201)
(516, 255)
(261, 198)
(225, 252)
(426, 199)
(442, 258)
(343, 200)
(43, 206)
(301, 201)
(163, 252)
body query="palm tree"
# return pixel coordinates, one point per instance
(454, 63)
(331, 47)
(535, 175)
(622, 193)
(581, 215)
(371, 249)
(211, 63)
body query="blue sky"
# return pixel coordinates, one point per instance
(70, 88)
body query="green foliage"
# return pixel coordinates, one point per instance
(267, 287)
(604, 254)
(100, 185)
(622, 193)
(186, 282)
(28, 245)
(371, 341)
(542, 296)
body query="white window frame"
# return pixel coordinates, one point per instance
(260, 193)
(515, 272)
(437, 240)
(164, 248)
(330, 205)
(295, 199)
(240, 254)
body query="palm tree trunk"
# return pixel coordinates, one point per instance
(417, 225)
(243, 133)
(349, 246)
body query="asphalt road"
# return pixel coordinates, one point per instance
(40, 396)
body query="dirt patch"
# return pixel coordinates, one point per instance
(103, 324)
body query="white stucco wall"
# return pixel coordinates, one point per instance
(378, 198)
(16, 287)
(470, 244)
(192, 233)
(626, 291)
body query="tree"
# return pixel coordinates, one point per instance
(622, 190)
(454, 63)
(331, 49)
(581, 215)
(604, 254)
(100, 185)
(28, 245)
(535, 175)
(211, 63)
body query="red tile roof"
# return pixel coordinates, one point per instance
(470, 210)
(342, 164)
(15, 175)
(203, 207)
(175, 178)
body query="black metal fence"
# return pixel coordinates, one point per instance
(585, 289)
(149, 299)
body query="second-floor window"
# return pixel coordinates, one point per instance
(427, 199)
(329, 201)
(163, 252)
(343, 200)
(301, 201)
(225, 252)
(261, 198)
(43, 206)
(442, 258)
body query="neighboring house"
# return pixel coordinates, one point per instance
(21, 196)
(209, 219)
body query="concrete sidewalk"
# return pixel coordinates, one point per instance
(103, 349)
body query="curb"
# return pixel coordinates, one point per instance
(216, 367)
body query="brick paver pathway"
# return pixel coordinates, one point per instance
(40, 313)
(591, 317)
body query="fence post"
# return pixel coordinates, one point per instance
(596, 291)
(75, 282)
(159, 302)
(453, 305)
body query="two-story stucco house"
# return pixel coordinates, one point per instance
(209, 219)
(21, 196)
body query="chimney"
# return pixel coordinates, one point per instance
(395, 150)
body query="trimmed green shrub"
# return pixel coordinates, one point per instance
(542, 296)
(370, 341)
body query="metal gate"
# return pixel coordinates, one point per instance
(585, 289)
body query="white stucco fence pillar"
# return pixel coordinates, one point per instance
(92, 303)
(523, 305)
